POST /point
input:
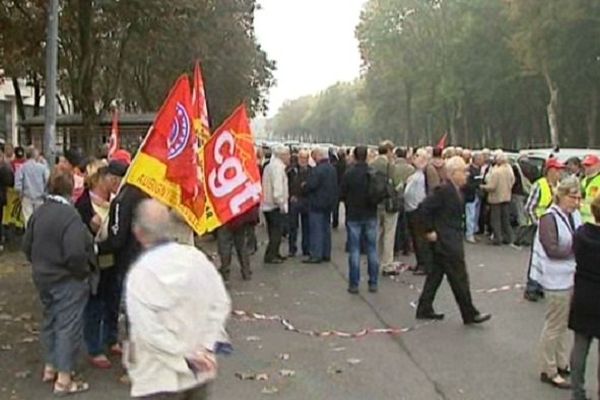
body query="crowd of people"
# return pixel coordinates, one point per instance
(99, 247)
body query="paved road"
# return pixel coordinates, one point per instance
(444, 360)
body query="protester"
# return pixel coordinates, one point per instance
(442, 216)
(540, 199)
(436, 171)
(19, 158)
(584, 316)
(235, 234)
(499, 188)
(361, 220)
(590, 185)
(340, 169)
(472, 197)
(275, 201)
(102, 311)
(74, 163)
(387, 219)
(518, 198)
(414, 194)
(7, 181)
(405, 169)
(574, 167)
(322, 191)
(298, 207)
(31, 181)
(553, 266)
(177, 307)
(60, 249)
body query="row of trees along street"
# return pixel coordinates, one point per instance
(133, 51)
(510, 73)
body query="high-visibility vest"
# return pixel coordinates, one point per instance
(545, 200)
(590, 188)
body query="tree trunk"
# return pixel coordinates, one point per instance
(19, 99)
(37, 94)
(552, 109)
(592, 118)
(408, 87)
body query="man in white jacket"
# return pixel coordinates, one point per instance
(275, 201)
(177, 307)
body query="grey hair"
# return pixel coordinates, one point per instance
(153, 219)
(322, 152)
(567, 186)
(455, 163)
(280, 150)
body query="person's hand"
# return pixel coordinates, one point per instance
(203, 361)
(432, 236)
(96, 223)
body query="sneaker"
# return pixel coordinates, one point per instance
(353, 290)
(471, 239)
(373, 289)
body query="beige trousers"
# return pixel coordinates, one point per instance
(28, 206)
(387, 233)
(554, 342)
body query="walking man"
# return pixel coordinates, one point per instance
(442, 215)
(322, 189)
(361, 220)
(177, 307)
(275, 201)
(31, 180)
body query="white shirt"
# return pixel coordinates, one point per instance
(275, 186)
(177, 304)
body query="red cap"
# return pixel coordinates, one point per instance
(554, 163)
(121, 155)
(590, 160)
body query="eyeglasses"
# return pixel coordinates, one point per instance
(575, 197)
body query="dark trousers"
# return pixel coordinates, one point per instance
(423, 248)
(579, 354)
(500, 221)
(298, 219)
(62, 329)
(320, 234)
(402, 240)
(335, 216)
(101, 316)
(275, 223)
(197, 393)
(227, 239)
(456, 272)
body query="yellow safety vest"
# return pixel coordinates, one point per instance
(590, 187)
(545, 200)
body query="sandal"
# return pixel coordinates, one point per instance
(49, 375)
(74, 387)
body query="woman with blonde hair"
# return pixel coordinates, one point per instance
(553, 266)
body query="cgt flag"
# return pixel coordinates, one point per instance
(231, 175)
(166, 165)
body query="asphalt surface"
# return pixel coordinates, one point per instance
(442, 360)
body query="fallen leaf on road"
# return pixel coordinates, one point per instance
(6, 317)
(287, 373)
(262, 377)
(5, 347)
(332, 370)
(252, 339)
(338, 349)
(354, 361)
(245, 376)
(23, 374)
(24, 317)
(284, 356)
(269, 390)
(28, 339)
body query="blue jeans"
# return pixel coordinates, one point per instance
(320, 234)
(101, 316)
(472, 217)
(368, 230)
(298, 218)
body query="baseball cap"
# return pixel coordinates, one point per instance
(554, 163)
(590, 160)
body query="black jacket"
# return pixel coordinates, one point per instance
(7, 180)
(354, 194)
(584, 317)
(473, 183)
(322, 187)
(58, 244)
(121, 241)
(443, 212)
(296, 177)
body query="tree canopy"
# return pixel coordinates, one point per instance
(509, 73)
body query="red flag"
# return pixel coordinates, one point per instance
(200, 110)
(442, 143)
(230, 169)
(113, 141)
(166, 166)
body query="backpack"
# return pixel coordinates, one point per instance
(377, 186)
(394, 201)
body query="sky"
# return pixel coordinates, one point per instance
(312, 42)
